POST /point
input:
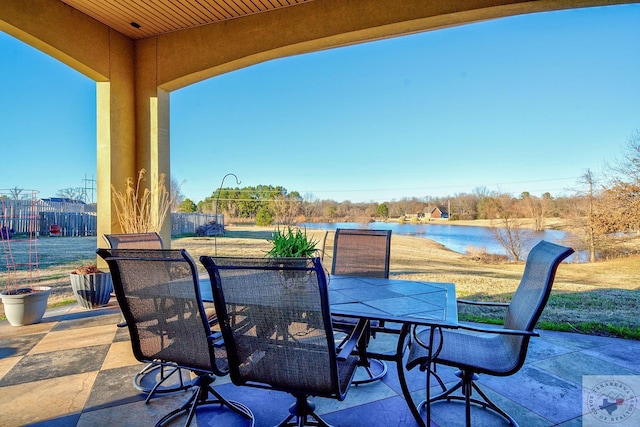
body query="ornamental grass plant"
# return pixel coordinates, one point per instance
(134, 206)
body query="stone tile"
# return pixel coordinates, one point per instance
(77, 338)
(137, 414)
(122, 334)
(62, 421)
(8, 331)
(539, 391)
(7, 364)
(578, 341)
(120, 354)
(55, 364)
(19, 345)
(621, 352)
(575, 422)
(386, 412)
(356, 396)
(523, 416)
(269, 406)
(114, 387)
(574, 366)
(89, 318)
(49, 399)
(542, 349)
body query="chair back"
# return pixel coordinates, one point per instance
(531, 296)
(275, 321)
(159, 295)
(533, 292)
(149, 240)
(361, 252)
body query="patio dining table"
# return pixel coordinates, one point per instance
(406, 303)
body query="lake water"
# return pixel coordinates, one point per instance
(458, 238)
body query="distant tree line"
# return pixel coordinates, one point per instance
(278, 205)
(599, 211)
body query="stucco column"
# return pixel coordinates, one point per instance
(152, 127)
(116, 131)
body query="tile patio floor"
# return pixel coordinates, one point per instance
(76, 369)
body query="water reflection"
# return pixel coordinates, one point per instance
(458, 238)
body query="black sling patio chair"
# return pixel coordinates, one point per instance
(275, 321)
(159, 294)
(366, 253)
(153, 378)
(493, 351)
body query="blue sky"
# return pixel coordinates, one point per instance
(525, 103)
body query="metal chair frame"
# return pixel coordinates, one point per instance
(523, 312)
(346, 261)
(153, 378)
(254, 347)
(162, 316)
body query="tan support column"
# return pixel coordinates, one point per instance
(116, 131)
(160, 162)
(152, 123)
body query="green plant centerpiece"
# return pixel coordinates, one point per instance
(292, 242)
(91, 286)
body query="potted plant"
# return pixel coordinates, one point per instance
(25, 302)
(91, 286)
(25, 306)
(292, 243)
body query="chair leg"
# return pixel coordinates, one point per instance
(467, 385)
(300, 412)
(200, 396)
(154, 386)
(372, 374)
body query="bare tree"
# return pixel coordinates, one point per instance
(508, 230)
(589, 180)
(72, 193)
(15, 193)
(626, 168)
(177, 196)
(535, 209)
(620, 209)
(285, 208)
(511, 236)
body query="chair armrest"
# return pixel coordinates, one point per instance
(347, 345)
(502, 331)
(484, 303)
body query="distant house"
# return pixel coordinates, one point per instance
(440, 212)
(62, 200)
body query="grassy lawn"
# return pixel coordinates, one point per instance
(601, 298)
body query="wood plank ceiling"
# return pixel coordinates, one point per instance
(139, 19)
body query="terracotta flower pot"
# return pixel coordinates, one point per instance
(92, 290)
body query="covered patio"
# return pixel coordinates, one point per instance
(76, 369)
